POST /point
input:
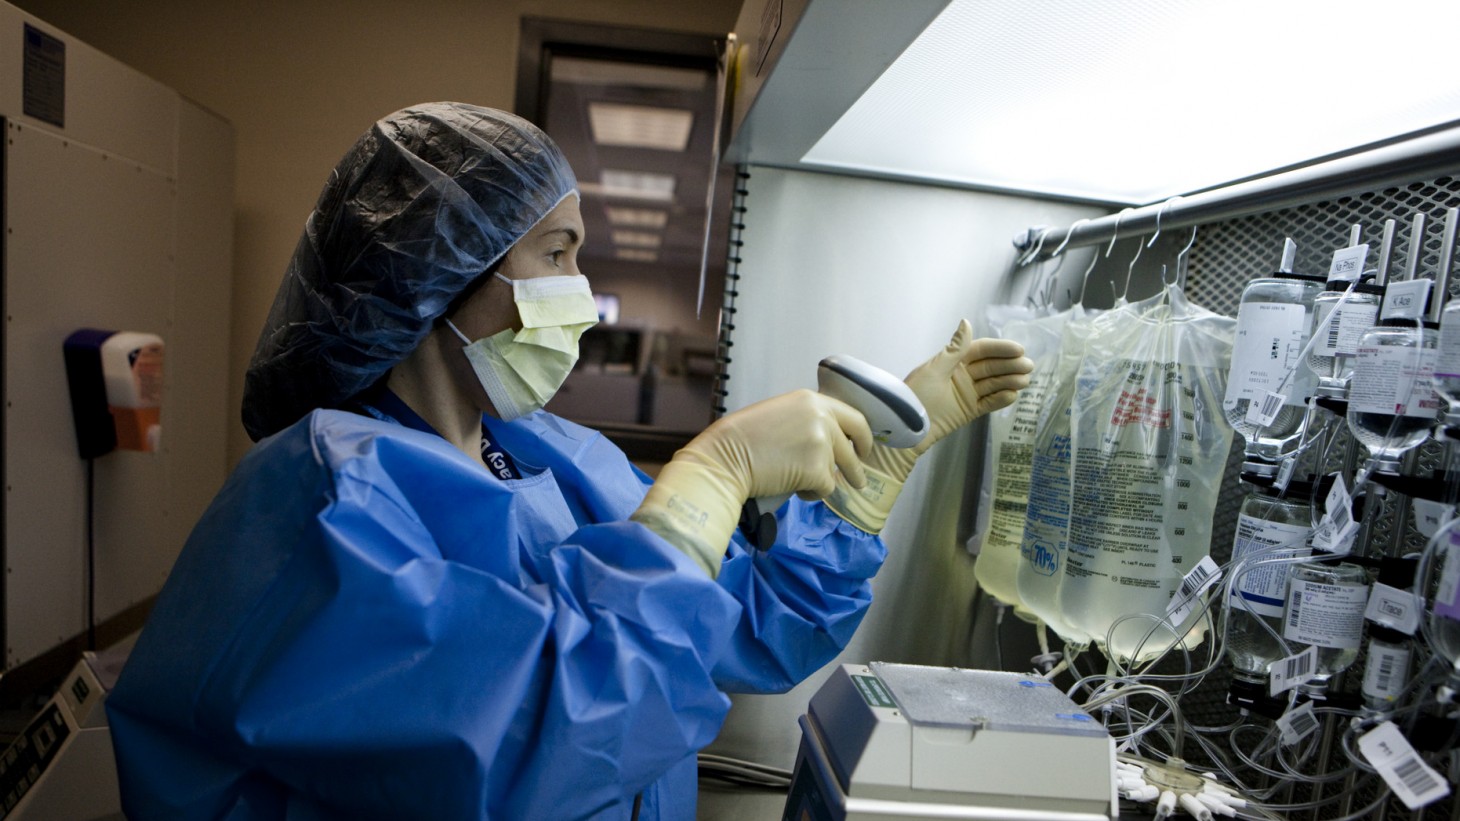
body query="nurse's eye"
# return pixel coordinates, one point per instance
(557, 256)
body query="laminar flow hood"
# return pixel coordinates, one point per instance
(1122, 102)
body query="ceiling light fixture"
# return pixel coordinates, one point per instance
(636, 255)
(1137, 101)
(637, 239)
(636, 217)
(638, 185)
(640, 126)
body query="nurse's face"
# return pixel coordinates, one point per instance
(550, 249)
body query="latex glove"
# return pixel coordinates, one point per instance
(967, 379)
(801, 442)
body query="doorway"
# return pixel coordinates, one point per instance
(637, 113)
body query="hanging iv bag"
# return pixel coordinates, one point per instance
(1149, 451)
(1043, 546)
(1004, 495)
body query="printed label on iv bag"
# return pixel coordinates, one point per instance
(1448, 592)
(1447, 365)
(1326, 615)
(1339, 327)
(1394, 380)
(1266, 349)
(1260, 588)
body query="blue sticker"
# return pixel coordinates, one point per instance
(1028, 683)
(1073, 716)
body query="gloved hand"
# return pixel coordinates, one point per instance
(967, 379)
(800, 442)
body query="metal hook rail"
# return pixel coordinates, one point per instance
(1428, 154)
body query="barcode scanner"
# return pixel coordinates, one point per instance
(893, 412)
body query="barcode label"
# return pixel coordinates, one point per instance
(1193, 584)
(1288, 673)
(1298, 723)
(1401, 767)
(1295, 600)
(1386, 673)
(1262, 410)
(1333, 327)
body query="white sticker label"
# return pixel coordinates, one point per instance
(1348, 263)
(1338, 505)
(1327, 615)
(1448, 366)
(1341, 325)
(1402, 769)
(1266, 349)
(1394, 380)
(1297, 723)
(1430, 516)
(1393, 608)
(1285, 674)
(1385, 672)
(1406, 300)
(1260, 588)
(1447, 594)
(1264, 408)
(1193, 585)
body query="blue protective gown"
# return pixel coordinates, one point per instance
(366, 624)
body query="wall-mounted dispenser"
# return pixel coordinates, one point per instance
(115, 379)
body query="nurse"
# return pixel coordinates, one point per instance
(422, 596)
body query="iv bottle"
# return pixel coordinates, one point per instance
(1354, 311)
(1273, 323)
(1325, 608)
(1392, 402)
(1386, 670)
(1271, 524)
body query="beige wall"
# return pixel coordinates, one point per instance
(301, 79)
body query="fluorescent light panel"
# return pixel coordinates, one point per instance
(637, 185)
(1139, 100)
(590, 72)
(637, 239)
(636, 255)
(640, 126)
(636, 217)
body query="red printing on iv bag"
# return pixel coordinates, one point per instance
(1139, 408)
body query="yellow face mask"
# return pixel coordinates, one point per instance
(522, 370)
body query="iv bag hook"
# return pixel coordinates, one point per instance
(1035, 287)
(1130, 269)
(1060, 259)
(1181, 259)
(1094, 258)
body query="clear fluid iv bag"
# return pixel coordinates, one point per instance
(1148, 457)
(1010, 452)
(1043, 547)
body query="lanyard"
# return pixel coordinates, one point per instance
(387, 407)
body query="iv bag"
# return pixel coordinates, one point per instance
(1043, 546)
(1149, 449)
(1004, 492)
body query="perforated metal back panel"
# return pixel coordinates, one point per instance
(1223, 259)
